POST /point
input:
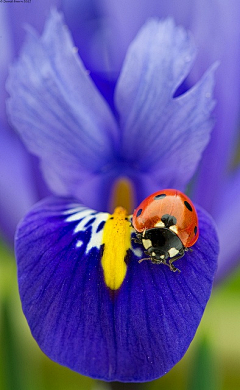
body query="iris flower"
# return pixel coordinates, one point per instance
(89, 303)
(102, 31)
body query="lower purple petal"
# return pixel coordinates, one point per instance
(135, 333)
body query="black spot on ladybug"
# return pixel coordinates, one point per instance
(195, 230)
(139, 212)
(160, 196)
(189, 207)
(111, 218)
(169, 220)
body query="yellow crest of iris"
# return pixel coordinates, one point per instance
(117, 241)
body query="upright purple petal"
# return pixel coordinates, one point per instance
(135, 330)
(162, 135)
(58, 111)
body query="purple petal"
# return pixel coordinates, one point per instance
(127, 17)
(217, 32)
(6, 54)
(12, 22)
(91, 32)
(58, 111)
(18, 192)
(98, 25)
(135, 332)
(227, 211)
(164, 136)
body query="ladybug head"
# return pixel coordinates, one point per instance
(162, 244)
(157, 255)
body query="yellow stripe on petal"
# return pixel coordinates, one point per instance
(117, 241)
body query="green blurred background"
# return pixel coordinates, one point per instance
(212, 361)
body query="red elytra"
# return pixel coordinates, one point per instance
(179, 210)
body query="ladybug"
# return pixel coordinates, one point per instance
(166, 224)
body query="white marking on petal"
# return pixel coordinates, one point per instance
(137, 252)
(96, 237)
(83, 215)
(78, 213)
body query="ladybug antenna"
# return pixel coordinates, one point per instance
(145, 258)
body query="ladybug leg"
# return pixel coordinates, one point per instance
(168, 264)
(172, 267)
(145, 258)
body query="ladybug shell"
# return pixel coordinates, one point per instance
(173, 207)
